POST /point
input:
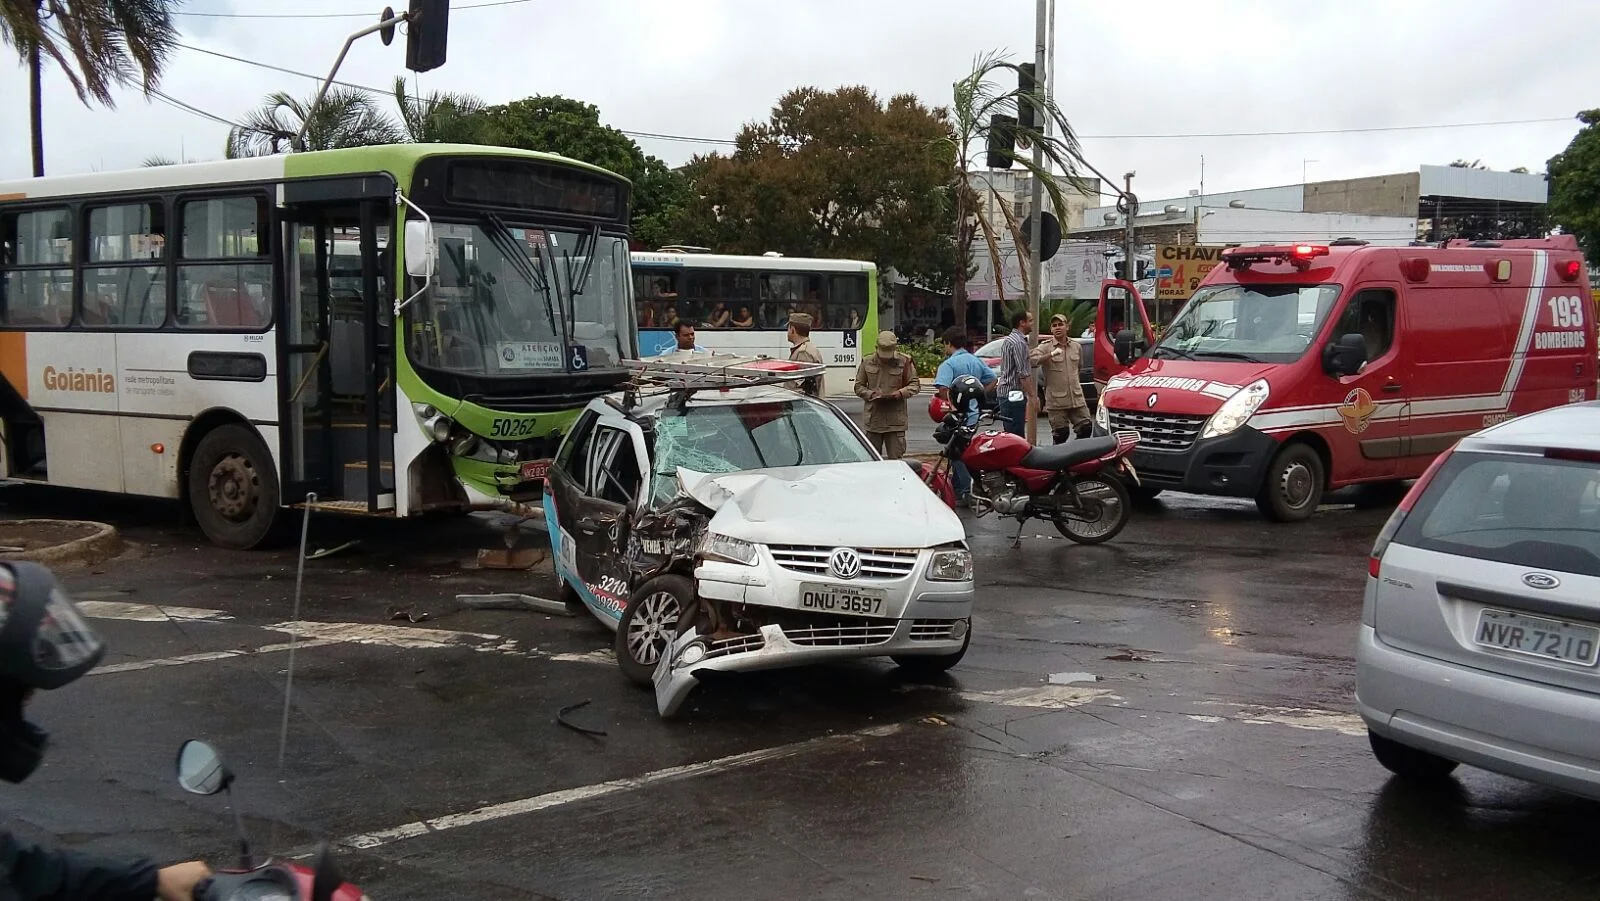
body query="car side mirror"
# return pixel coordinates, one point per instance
(1126, 346)
(422, 253)
(1345, 356)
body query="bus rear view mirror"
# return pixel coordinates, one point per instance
(422, 253)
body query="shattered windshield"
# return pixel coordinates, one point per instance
(1261, 323)
(739, 437)
(509, 300)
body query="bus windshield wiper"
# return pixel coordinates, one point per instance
(500, 237)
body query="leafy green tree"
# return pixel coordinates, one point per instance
(98, 44)
(439, 117)
(834, 174)
(991, 89)
(1574, 175)
(572, 128)
(345, 118)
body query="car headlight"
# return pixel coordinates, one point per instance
(1102, 416)
(733, 550)
(951, 566)
(1236, 409)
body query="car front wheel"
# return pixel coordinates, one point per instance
(650, 623)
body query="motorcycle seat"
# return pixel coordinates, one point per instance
(1056, 457)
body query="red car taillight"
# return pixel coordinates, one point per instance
(1386, 535)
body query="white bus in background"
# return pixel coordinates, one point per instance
(741, 305)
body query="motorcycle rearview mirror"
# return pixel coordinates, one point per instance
(327, 878)
(202, 772)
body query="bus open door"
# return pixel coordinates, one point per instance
(1116, 344)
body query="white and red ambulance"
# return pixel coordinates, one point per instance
(1299, 369)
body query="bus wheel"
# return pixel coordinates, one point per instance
(233, 488)
(1292, 488)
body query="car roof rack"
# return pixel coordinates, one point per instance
(681, 373)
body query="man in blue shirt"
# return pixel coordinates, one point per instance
(958, 361)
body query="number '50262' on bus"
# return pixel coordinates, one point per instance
(388, 331)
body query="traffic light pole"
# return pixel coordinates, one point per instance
(1036, 207)
(390, 22)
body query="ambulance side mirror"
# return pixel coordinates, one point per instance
(1126, 349)
(1345, 356)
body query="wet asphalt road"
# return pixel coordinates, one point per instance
(1198, 742)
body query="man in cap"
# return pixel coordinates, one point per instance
(883, 382)
(1058, 358)
(801, 350)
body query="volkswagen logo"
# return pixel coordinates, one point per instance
(1151, 400)
(844, 563)
(1540, 580)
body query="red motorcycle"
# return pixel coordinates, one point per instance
(201, 771)
(1075, 485)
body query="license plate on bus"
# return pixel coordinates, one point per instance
(841, 599)
(534, 470)
(1536, 636)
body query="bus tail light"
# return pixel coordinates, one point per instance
(1398, 517)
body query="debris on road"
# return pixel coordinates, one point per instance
(513, 602)
(561, 718)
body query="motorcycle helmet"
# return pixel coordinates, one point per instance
(44, 644)
(966, 391)
(939, 408)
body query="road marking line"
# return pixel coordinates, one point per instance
(201, 657)
(1307, 718)
(367, 840)
(149, 613)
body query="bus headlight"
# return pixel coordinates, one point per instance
(1237, 409)
(434, 424)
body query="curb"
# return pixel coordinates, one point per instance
(102, 543)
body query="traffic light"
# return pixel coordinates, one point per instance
(427, 32)
(1027, 116)
(1119, 270)
(1144, 271)
(1002, 140)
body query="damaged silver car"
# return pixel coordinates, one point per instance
(719, 521)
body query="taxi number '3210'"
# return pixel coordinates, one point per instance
(511, 428)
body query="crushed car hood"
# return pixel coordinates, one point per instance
(880, 503)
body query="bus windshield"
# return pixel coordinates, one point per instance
(515, 300)
(1257, 323)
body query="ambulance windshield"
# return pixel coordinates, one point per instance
(1257, 323)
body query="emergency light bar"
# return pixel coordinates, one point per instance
(1297, 255)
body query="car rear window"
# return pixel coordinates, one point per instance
(1511, 508)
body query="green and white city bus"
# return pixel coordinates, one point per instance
(226, 333)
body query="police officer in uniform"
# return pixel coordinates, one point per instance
(801, 350)
(883, 382)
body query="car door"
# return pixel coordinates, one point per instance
(1371, 405)
(566, 484)
(616, 466)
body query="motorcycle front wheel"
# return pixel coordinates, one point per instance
(1106, 509)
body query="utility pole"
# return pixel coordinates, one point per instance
(1128, 251)
(1036, 208)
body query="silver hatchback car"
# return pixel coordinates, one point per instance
(1480, 630)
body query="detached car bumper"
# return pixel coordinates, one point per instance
(692, 655)
(1523, 729)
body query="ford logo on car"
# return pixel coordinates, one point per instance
(1540, 580)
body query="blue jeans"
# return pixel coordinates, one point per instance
(960, 479)
(1016, 416)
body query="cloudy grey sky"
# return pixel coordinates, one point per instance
(1126, 70)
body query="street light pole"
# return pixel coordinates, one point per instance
(1036, 208)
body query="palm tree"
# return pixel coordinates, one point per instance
(978, 97)
(345, 118)
(440, 117)
(98, 44)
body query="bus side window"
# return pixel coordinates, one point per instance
(224, 272)
(847, 301)
(128, 287)
(37, 282)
